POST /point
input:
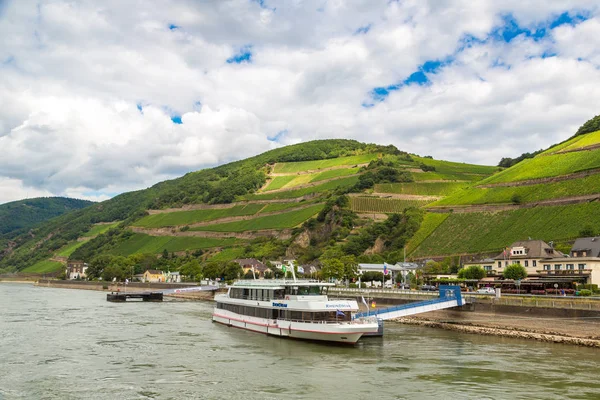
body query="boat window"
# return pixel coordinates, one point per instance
(303, 291)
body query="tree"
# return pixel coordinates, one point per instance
(472, 272)
(191, 269)
(97, 266)
(212, 270)
(514, 272)
(232, 270)
(332, 268)
(587, 231)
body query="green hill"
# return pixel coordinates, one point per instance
(25, 214)
(325, 199)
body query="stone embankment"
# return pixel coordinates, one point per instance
(513, 333)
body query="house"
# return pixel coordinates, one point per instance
(173, 277)
(252, 264)
(76, 270)
(583, 265)
(154, 276)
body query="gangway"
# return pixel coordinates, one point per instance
(155, 295)
(189, 289)
(450, 296)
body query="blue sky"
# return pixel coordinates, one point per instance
(117, 96)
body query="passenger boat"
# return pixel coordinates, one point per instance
(298, 309)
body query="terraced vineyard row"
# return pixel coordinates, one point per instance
(577, 142)
(449, 167)
(523, 194)
(279, 221)
(379, 205)
(481, 232)
(180, 218)
(544, 166)
(420, 188)
(140, 243)
(321, 164)
(430, 223)
(291, 181)
(290, 194)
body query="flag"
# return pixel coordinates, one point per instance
(284, 269)
(365, 302)
(339, 313)
(385, 269)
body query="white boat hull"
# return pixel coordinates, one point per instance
(331, 332)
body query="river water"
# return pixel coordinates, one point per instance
(73, 344)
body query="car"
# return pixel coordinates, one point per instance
(404, 286)
(486, 290)
(429, 288)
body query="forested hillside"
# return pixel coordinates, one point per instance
(25, 214)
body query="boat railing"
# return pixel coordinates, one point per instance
(306, 321)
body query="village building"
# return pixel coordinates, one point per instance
(154, 276)
(173, 277)
(76, 270)
(582, 265)
(252, 264)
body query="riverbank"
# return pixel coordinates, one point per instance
(574, 331)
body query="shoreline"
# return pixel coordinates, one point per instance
(514, 332)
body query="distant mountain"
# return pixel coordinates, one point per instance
(25, 214)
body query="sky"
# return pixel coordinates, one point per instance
(99, 98)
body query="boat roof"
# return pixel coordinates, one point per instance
(278, 283)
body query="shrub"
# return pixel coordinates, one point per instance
(584, 292)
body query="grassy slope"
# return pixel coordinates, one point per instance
(280, 221)
(100, 229)
(320, 164)
(44, 266)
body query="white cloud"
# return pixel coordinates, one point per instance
(72, 75)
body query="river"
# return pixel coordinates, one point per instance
(73, 344)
